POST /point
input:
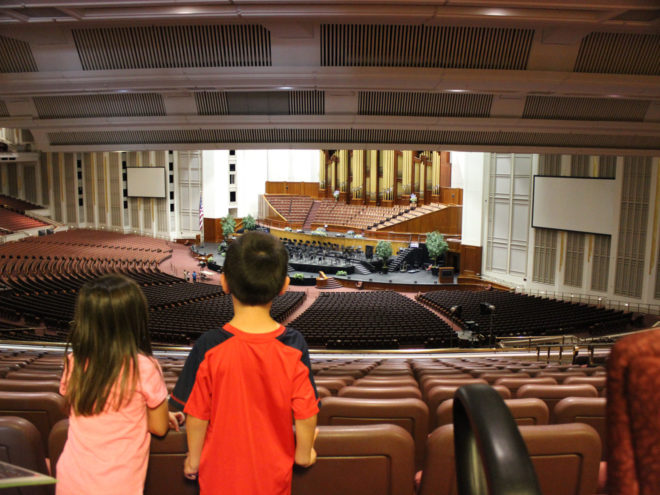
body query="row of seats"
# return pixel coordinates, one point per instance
(517, 314)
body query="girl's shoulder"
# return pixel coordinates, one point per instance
(147, 363)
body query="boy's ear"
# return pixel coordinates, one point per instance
(285, 286)
(224, 284)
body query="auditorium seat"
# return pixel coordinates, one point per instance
(403, 392)
(33, 375)
(30, 385)
(359, 460)
(552, 394)
(429, 384)
(332, 384)
(56, 440)
(42, 409)
(597, 381)
(588, 410)
(21, 445)
(560, 376)
(165, 471)
(438, 395)
(385, 381)
(524, 411)
(513, 384)
(410, 414)
(322, 392)
(566, 459)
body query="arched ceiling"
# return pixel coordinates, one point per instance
(516, 75)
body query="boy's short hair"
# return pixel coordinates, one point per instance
(255, 268)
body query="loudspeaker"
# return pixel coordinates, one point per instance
(369, 251)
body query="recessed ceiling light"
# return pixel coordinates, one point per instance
(285, 87)
(457, 90)
(497, 12)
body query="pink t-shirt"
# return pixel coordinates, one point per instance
(108, 453)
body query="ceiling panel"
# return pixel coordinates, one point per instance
(424, 104)
(101, 105)
(458, 47)
(619, 53)
(567, 108)
(16, 56)
(151, 47)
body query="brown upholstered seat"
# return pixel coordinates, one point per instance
(21, 445)
(566, 459)
(381, 392)
(332, 384)
(427, 385)
(552, 394)
(560, 376)
(323, 392)
(30, 385)
(588, 410)
(410, 414)
(359, 460)
(513, 384)
(385, 381)
(597, 381)
(353, 373)
(165, 471)
(437, 395)
(526, 412)
(347, 379)
(492, 376)
(42, 409)
(33, 375)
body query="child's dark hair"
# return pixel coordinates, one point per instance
(255, 268)
(108, 331)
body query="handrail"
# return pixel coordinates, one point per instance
(491, 456)
(263, 196)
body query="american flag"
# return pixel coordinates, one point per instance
(201, 213)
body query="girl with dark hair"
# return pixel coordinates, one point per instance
(116, 391)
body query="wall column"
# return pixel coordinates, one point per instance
(435, 177)
(373, 178)
(342, 167)
(323, 159)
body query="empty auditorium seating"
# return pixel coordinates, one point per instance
(381, 392)
(588, 410)
(369, 320)
(524, 411)
(165, 470)
(552, 394)
(565, 457)
(30, 385)
(373, 459)
(21, 445)
(410, 414)
(518, 314)
(42, 409)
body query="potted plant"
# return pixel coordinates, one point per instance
(436, 247)
(341, 273)
(384, 252)
(249, 223)
(228, 226)
(413, 200)
(336, 194)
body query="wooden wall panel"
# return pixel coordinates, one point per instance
(451, 195)
(294, 188)
(471, 259)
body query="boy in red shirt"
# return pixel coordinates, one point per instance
(246, 380)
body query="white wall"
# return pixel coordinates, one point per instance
(291, 165)
(215, 183)
(467, 172)
(251, 176)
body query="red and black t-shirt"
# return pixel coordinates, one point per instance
(247, 386)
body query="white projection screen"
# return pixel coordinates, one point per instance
(145, 182)
(576, 204)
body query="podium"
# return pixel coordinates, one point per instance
(446, 275)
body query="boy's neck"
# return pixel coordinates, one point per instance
(253, 319)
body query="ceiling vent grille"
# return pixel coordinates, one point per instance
(16, 56)
(414, 137)
(260, 103)
(424, 104)
(455, 47)
(4, 112)
(619, 53)
(566, 108)
(306, 102)
(156, 47)
(211, 103)
(105, 105)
